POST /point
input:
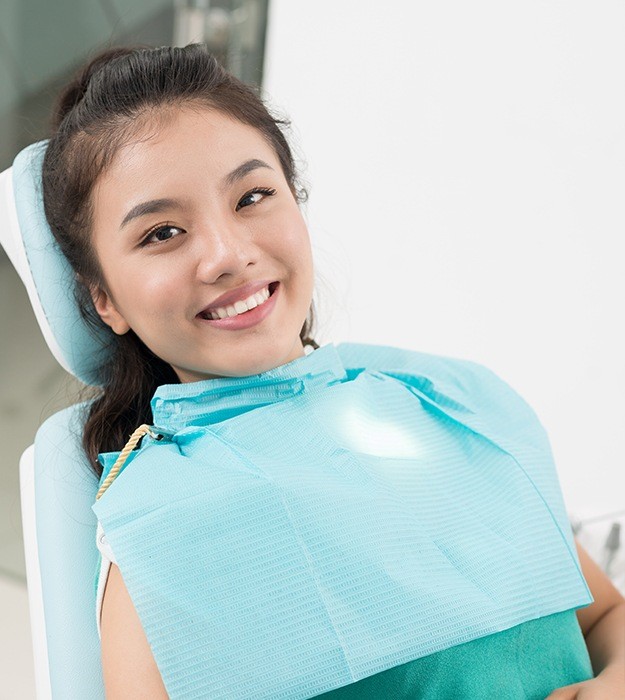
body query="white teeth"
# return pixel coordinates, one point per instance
(240, 307)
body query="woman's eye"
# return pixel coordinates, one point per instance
(161, 234)
(255, 196)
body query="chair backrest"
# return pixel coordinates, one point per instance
(57, 485)
(57, 491)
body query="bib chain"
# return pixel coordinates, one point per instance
(140, 432)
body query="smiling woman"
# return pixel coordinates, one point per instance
(166, 195)
(229, 227)
(362, 521)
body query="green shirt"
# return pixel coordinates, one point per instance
(526, 662)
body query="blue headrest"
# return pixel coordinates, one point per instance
(45, 272)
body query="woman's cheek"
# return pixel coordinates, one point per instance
(295, 247)
(163, 285)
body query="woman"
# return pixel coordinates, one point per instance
(173, 193)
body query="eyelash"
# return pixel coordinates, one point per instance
(267, 191)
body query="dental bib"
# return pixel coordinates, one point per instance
(292, 532)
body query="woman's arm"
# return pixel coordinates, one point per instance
(603, 626)
(127, 662)
(602, 622)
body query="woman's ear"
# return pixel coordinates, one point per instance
(107, 310)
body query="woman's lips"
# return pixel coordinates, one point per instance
(248, 318)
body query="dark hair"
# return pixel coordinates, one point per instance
(109, 99)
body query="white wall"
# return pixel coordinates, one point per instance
(467, 171)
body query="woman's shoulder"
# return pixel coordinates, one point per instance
(395, 359)
(458, 383)
(459, 375)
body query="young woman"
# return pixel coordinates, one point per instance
(173, 193)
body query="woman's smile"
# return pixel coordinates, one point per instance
(254, 310)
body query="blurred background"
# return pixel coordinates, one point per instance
(466, 169)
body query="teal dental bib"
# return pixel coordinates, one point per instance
(357, 508)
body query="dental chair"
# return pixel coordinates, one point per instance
(57, 484)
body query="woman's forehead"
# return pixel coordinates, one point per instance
(191, 156)
(189, 145)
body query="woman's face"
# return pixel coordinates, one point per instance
(230, 225)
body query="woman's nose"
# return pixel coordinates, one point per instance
(223, 249)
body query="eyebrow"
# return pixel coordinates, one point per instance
(156, 206)
(242, 170)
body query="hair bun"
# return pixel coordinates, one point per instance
(75, 90)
